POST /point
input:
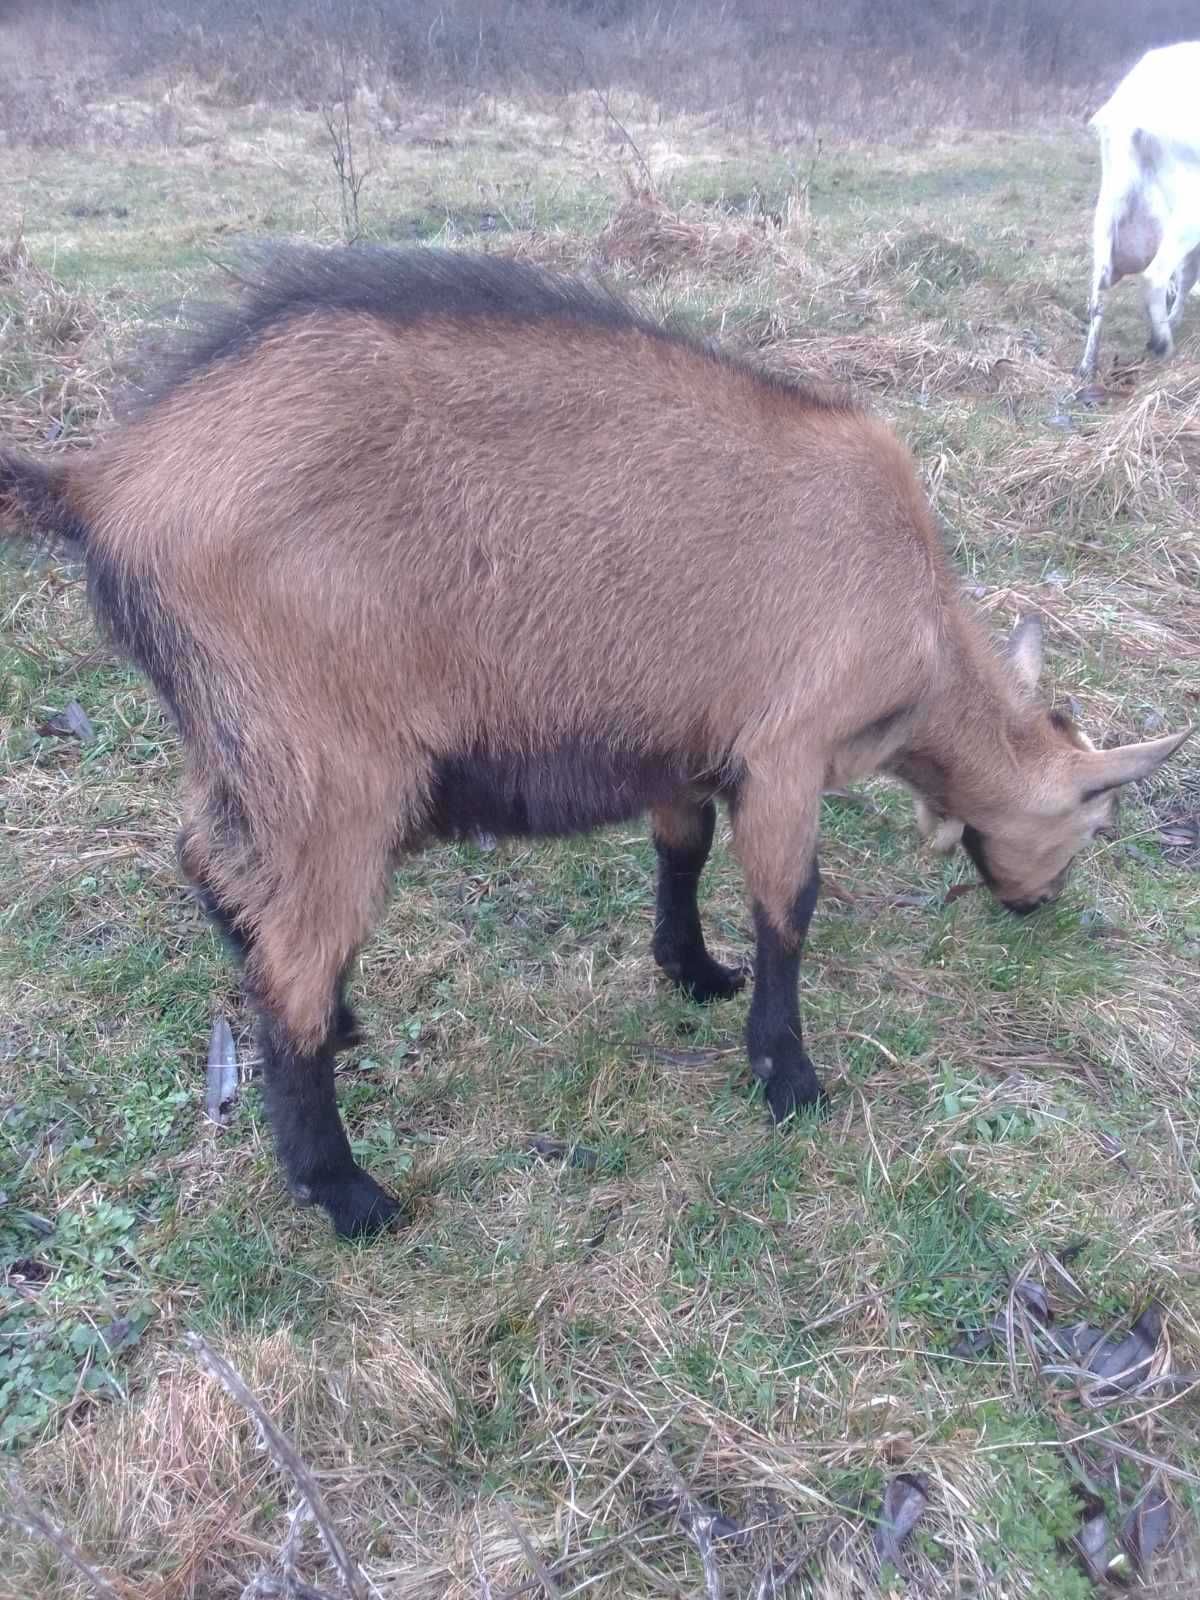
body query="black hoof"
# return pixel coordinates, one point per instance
(1159, 347)
(701, 978)
(356, 1204)
(791, 1086)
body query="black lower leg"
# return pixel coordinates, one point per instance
(314, 1151)
(774, 1039)
(679, 945)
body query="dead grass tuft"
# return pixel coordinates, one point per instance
(916, 256)
(650, 238)
(59, 351)
(920, 360)
(1140, 461)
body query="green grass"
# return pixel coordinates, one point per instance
(783, 1306)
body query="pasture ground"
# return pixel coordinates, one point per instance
(777, 1316)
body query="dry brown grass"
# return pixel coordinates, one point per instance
(920, 360)
(649, 238)
(1140, 460)
(59, 349)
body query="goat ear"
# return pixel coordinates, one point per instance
(1109, 769)
(1025, 652)
(941, 834)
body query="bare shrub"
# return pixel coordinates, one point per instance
(337, 114)
(858, 69)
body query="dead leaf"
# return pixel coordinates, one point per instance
(1034, 1298)
(1125, 1362)
(222, 1081)
(1180, 834)
(974, 1342)
(575, 1155)
(1147, 1525)
(904, 1503)
(957, 890)
(1080, 1339)
(1092, 1539)
(896, 1447)
(72, 722)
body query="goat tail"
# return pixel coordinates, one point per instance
(34, 503)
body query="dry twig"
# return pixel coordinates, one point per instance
(539, 1567)
(21, 1513)
(284, 1455)
(701, 1523)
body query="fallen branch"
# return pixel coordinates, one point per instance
(22, 1513)
(538, 1566)
(284, 1455)
(778, 1574)
(701, 1523)
(282, 1589)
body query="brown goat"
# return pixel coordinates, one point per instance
(415, 544)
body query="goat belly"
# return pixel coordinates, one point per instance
(572, 787)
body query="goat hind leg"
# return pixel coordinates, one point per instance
(1161, 341)
(307, 929)
(1171, 270)
(300, 1097)
(195, 856)
(1185, 282)
(683, 835)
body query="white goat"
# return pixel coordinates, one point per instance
(1148, 213)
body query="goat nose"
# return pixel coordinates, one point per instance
(1022, 908)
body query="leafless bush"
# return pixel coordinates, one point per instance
(338, 116)
(858, 68)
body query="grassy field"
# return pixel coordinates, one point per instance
(505, 1398)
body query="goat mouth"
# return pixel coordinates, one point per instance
(1024, 908)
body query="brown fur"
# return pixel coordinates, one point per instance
(377, 544)
(384, 581)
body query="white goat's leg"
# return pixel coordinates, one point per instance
(1155, 290)
(1169, 270)
(1185, 282)
(1100, 282)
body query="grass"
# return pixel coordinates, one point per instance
(779, 1313)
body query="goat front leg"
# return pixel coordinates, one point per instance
(683, 836)
(314, 1152)
(774, 1038)
(775, 833)
(1101, 280)
(1091, 349)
